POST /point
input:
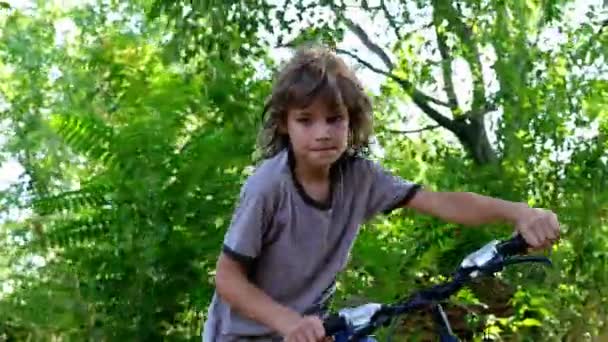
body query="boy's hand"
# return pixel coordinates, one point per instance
(539, 227)
(306, 329)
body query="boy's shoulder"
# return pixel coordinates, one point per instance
(268, 177)
(358, 164)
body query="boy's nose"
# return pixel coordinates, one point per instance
(322, 131)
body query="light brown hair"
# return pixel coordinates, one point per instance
(316, 72)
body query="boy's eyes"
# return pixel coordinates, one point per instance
(330, 119)
(334, 118)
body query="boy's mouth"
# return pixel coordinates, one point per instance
(323, 149)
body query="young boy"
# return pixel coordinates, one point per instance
(299, 213)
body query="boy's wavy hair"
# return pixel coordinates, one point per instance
(312, 73)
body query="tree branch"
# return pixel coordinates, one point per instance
(444, 10)
(418, 130)
(362, 35)
(418, 97)
(373, 47)
(468, 127)
(391, 19)
(405, 84)
(435, 115)
(446, 63)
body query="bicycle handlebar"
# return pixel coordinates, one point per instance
(490, 258)
(513, 246)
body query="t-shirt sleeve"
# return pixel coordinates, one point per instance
(243, 240)
(386, 191)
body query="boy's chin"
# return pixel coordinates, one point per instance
(325, 161)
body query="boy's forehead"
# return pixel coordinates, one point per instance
(318, 106)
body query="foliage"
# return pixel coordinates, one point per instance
(136, 127)
(139, 163)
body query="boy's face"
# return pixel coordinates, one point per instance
(318, 134)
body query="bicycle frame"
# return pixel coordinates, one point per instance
(443, 325)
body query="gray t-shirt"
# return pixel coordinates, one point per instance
(294, 246)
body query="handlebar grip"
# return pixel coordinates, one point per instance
(513, 246)
(334, 324)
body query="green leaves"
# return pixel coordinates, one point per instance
(89, 137)
(151, 158)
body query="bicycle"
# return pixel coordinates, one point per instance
(357, 324)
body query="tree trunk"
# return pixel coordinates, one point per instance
(473, 137)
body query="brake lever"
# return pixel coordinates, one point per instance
(498, 264)
(522, 259)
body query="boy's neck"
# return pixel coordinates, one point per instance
(309, 174)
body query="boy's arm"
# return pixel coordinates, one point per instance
(539, 227)
(235, 288)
